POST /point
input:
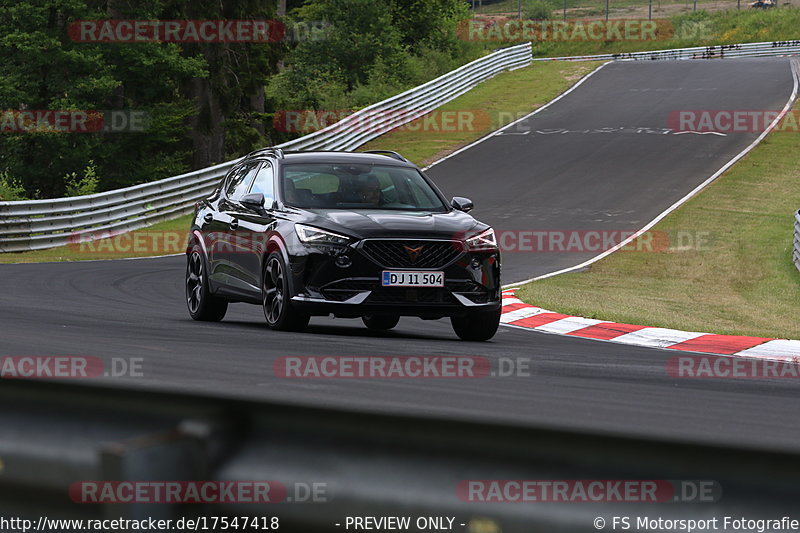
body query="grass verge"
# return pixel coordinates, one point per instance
(700, 28)
(489, 106)
(740, 280)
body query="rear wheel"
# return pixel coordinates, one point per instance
(380, 322)
(275, 297)
(479, 326)
(202, 304)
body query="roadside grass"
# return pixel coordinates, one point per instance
(491, 105)
(498, 101)
(164, 238)
(698, 28)
(592, 7)
(739, 281)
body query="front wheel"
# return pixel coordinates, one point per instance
(202, 304)
(478, 326)
(276, 298)
(380, 322)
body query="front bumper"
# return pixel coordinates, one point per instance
(346, 282)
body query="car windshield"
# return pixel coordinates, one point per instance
(358, 186)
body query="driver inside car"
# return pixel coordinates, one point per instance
(371, 191)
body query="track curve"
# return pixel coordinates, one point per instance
(135, 308)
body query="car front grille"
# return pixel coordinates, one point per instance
(403, 295)
(412, 254)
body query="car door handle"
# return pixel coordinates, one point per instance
(209, 218)
(234, 224)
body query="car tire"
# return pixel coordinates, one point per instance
(202, 304)
(380, 322)
(478, 326)
(276, 299)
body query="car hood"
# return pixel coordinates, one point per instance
(395, 224)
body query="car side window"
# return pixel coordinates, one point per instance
(240, 181)
(264, 183)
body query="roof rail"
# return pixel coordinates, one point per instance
(388, 153)
(277, 152)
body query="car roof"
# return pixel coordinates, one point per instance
(335, 157)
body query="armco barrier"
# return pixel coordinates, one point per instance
(796, 253)
(773, 48)
(39, 224)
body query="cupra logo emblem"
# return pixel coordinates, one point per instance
(413, 253)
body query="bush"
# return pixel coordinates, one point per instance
(82, 186)
(11, 190)
(539, 10)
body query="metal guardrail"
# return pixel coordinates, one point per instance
(59, 434)
(39, 224)
(773, 48)
(796, 248)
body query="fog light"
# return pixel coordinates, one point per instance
(343, 261)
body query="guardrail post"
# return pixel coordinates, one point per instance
(182, 454)
(796, 249)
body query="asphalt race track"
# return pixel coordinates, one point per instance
(599, 159)
(621, 180)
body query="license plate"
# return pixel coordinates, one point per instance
(412, 279)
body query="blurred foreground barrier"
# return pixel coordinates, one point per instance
(67, 451)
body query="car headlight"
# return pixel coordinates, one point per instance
(484, 241)
(312, 235)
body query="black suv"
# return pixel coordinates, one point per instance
(357, 235)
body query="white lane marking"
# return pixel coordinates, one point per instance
(568, 325)
(777, 349)
(657, 337)
(701, 133)
(519, 314)
(503, 133)
(796, 77)
(492, 134)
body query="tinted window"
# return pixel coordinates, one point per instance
(264, 184)
(358, 186)
(240, 180)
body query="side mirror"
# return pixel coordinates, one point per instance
(462, 204)
(254, 201)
